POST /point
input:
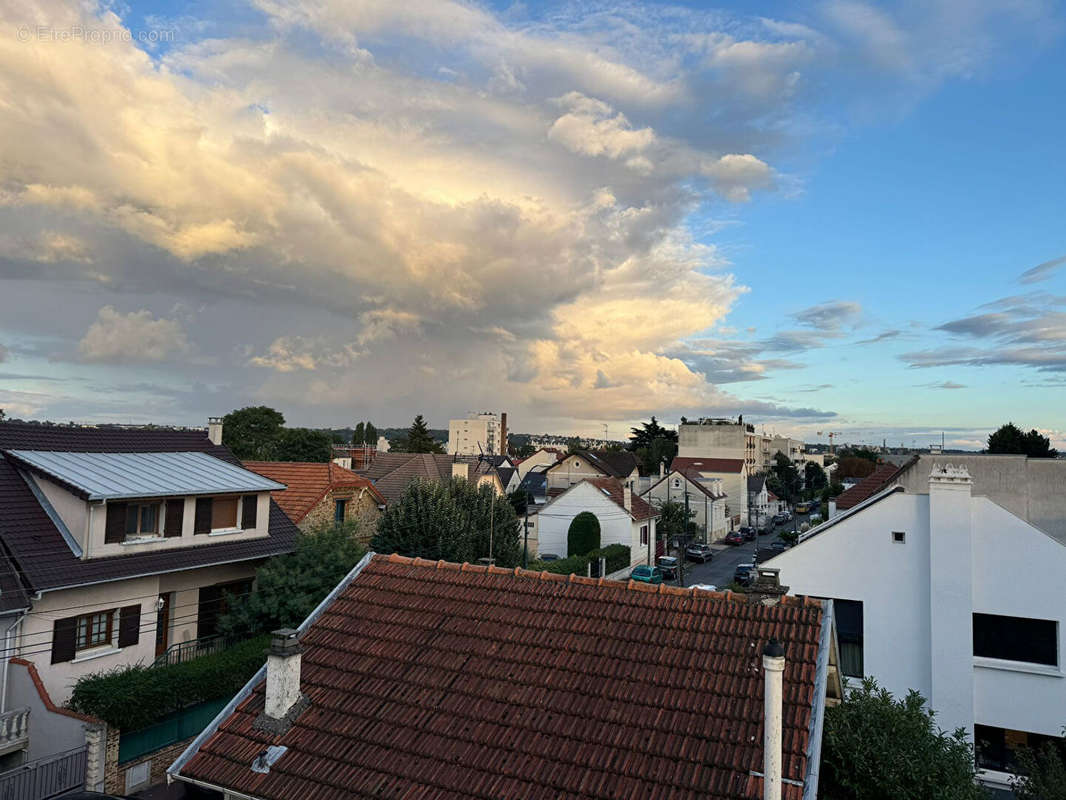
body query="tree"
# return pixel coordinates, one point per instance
(450, 520)
(418, 439)
(302, 444)
(359, 434)
(252, 432)
(1042, 771)
(1, 415)
(520, 500)
(854, 467)
(371, 433)
(573, 444)
(814, 477)
(864, 453)
(524, 450)
(583, 535)
(1009, 438)
(876, 747)
(673, 521)
(784, 479)
(653, 444)
(288, 587)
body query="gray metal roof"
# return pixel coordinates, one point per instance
(118, 476)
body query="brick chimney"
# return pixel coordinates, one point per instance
(766, 589)
(773, 665)
(503, 433)
(284, 700)
(214, 430)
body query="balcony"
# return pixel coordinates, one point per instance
(14, 730)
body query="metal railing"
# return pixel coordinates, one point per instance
(45, 777)
(194, 648)
(14, 727)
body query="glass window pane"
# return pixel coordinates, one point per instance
(224, 513)
(149, 514)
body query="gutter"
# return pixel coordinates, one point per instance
(821, 683)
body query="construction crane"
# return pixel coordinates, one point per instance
(831, 434)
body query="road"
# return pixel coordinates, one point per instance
(719, 571)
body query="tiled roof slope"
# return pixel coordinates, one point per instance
(615, 463)
(439, 681)
(392, 472)
(873, 483)
(37, 548)
(307, 482)
(640, 509)
(686, 463)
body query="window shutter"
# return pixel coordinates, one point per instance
(202, 521)
(64, 632)
(115, 528)
(175, 517)
(129, 625)
(248, 511)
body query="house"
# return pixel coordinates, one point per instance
(624, 518)
(950, 593)
(581, 464)
(762, 502)
(535, 484)
(421, 679)
(392, 472)
(317, 494)
(120, 543)
(507, 470)
(542, 457)
(882, 476)
(706, 500)
(732, 472)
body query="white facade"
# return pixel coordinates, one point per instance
(478, 434)
(706, 500)
(576, 467)
(617, 526)
(923, 565)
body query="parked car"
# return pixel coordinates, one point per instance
(749, 533)
(699, 552)
(782, 518)
(779, 546)
(803, 508)
(707, 587)
(744, 574)
(646, 574)
(734, 537)
(669, 567)
(548, 557)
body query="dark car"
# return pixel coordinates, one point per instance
(778, 546)
(699, 552)
(548, 557)
(669, 566)
(783, 517)
(744, 574)
(734, 537)
(749, 534)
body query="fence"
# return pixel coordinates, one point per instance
(187, 651)
(45, 777)
(183, 724)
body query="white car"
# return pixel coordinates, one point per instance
(706, 587)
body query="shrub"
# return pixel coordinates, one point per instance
(135, 696)
(583, 536)
(617, 555)
(564, 566)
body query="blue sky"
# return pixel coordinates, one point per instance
(815, 214)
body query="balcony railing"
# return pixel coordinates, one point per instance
(187, 651)
(14, 729)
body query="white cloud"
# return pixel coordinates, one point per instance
(591, 128)
(136, 337)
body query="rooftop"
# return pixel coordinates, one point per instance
(447, 681)
(873, 483)
(307, 482)
(687, 463)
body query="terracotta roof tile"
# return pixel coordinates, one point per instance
(877, 480)
(435, 680)
(640, 508)
(307, 482)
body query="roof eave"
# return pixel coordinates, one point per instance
(821, 685)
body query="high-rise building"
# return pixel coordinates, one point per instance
(482, 433)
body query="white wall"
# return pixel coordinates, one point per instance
(616, 526)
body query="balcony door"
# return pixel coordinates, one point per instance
(162, 625)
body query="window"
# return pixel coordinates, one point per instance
(93, 630)
(223, 513)
(1035, 641)
(899, 537)
(677, 483)
(848, 615)
(644, 535)
(142, 519)
(214, 602)
(338, 511)
(996, 748)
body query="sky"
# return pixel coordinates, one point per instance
(829, 216)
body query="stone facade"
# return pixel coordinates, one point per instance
(359, 504)
(115, 774)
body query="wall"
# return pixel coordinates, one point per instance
(541, 458)
(712, 441)
(51, 730)
(359, 504)
(71, 509)
(700, 504)
(115, 774)
(554, 519)
(571, 470)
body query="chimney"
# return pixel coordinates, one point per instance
(460, 469)
(503, 433)
(214, 430)
(627, 497)
(832, 507)
(773, 665)
(662, 469)
(283, 697)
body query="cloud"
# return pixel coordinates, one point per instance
(882, 337)
(829, 316)
(1041, 272)
(590, 128)
(820, 387)
(942, 385)
(136, 337)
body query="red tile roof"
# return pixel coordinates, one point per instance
(877, 480)
(639, 508)
(683, 464)
(439, 681)
(307, 482)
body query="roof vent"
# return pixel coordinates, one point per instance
(265, 760)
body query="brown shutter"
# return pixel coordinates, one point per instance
(248, 511)
(129, 625)
(202, 521)
(115, 529)
(175, 517)
(64, 633)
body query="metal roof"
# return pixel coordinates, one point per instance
(118, 476)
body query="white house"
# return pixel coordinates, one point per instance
(733, 474)
(624, 519)
(582, 464)
(762, 502)
(950, 594)
(706, 500)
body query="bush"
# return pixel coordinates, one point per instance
(133, 697)
(1043, 772)
(583, 536)
(617, 555)
(563, 566)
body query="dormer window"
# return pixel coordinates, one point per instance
(142, 519)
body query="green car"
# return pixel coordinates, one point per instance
(646, 574)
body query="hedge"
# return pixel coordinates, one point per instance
(617, 555)
(136, 696)
(583, 535)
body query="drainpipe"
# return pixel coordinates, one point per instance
(773, 664)
(7, 660)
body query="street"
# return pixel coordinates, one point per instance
(719, 571)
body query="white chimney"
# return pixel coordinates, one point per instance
(283, 673)
(832, 507)
(627, 497)
(214, 430)
(460, 469)
(662, 469)
(773, 665)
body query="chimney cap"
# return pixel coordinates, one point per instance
(284, 641)
(774, 649)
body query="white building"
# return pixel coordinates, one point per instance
(706, 500)
(731, 472)
(950, 594)
(624, 519)
(582, 464)
(478, 434)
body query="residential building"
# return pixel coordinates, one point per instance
(732, 472)
(762, 502)
(427, 679)
(706, 500)
(542, 457)
(950, 593)
(119, 544)
(507, 470)
(624, 519)
(721, 438)
(318, 494)
(792, 448)
(582, 464)
(478, 434)
(392, 472)
(535, 484)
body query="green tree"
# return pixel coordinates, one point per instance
(573, 444)
(876, 747)
(418, 439)
(359, 434)
(251, 433)
(784, 479)
(302, 444)
(674, 521)
(523, 450)
(451, 520)
(1009, 438)
(371, 433)
(1042, 771)
(583, 535)
(854, 467)
(520, 500)
(653, 444)
(814, 477)
(1, 415)
(288, 587)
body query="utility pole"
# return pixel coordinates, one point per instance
(525, 540)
